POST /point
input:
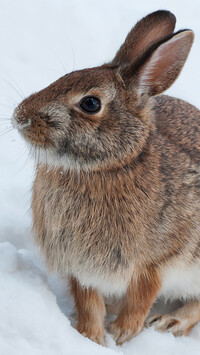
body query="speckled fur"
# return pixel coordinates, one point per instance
(116, 198)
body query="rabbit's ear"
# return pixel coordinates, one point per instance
(164, 64)
(149, 30)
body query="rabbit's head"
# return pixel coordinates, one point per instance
(101, 117)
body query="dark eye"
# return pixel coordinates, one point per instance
(90, 104)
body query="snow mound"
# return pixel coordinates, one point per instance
(31, 321)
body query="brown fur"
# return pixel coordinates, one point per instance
(91, 311)
(116, 195)
(140, 295)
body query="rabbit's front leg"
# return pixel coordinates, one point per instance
(91, 311)
(140, 295)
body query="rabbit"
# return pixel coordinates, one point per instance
(116, 197)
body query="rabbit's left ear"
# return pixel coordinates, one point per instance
(152, 56)
(159, 70)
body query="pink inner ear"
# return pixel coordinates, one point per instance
(165, 64)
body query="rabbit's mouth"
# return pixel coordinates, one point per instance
(45, 133)
(33, 129)
(41, 127)
(20, 122)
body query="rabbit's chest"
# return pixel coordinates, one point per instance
(87, 232)
(86, 236)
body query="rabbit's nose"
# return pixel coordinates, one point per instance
(20, 121)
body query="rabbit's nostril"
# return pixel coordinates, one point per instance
(20, 119)
(22, 122)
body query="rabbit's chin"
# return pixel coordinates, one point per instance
(53, 160)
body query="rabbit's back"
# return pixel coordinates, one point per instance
(179, 122)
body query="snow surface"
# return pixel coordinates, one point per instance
(41, 40)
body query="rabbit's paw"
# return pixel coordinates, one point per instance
(168, 323)
(124, 329)
(92, 332)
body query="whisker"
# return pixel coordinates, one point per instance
(12, 87)
(2, 104)
(38, 152)
(27, 161)
(34, 153)
(5, 131)
(45, 157)
(35, 156)
(24, 164)
(6, 127)
(14, 81)
(38, 160)
(39, 157)
(9, 97)
(4, 121)
(31, 150)
(61, 62)
(5, 124)
(29, 155)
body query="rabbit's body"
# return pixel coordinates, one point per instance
(100, 227)
(116, 199)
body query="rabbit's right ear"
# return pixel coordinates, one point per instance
(152, 28)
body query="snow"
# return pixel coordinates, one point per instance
(41, 40)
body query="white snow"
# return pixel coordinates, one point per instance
(41, 40)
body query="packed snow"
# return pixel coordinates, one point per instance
(40, 41)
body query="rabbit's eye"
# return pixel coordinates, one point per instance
(90, 104)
